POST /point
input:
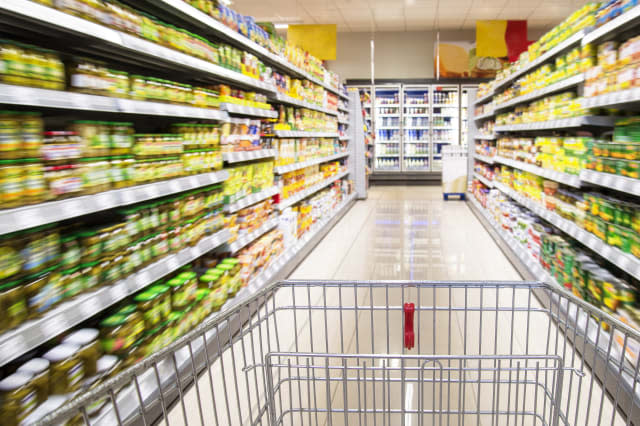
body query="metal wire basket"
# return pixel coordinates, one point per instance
(385, 353)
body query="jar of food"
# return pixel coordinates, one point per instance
(235, 265)
(190, 280)
(92, 245)
(111, 269)
(14, 305)
(10, 135)
(31, 126)
(18, 398)
(87, 340)
(226, 279)
(133, 223)
(72, 282)
(92, 275)
(95, 174)
(67, 369)
(12, 183)
(207, 281)
(39, 369)
(149, 305)
(71, 251)
(34, 182)
(43, 291)
(164, 299)
(118, 332)
(94, 136)
(63, 181)
(179, 296)
(121, 138)
(204, 307)
(175, 239)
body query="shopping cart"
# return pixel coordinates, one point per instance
(384, 353)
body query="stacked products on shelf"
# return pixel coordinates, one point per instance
(149, 271)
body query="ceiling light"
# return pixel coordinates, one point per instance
(226, 2)
(410, 2)
(281, 26)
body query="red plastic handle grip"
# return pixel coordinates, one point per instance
(409, 336)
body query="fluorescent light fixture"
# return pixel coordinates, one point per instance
(281, 26)
(226, 2)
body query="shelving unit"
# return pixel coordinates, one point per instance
(251, 199)
(567, 83)
(20, 218)
(483, 179)
(249, 237)
(564, 178)
(606, 180)
(288, 202)
(301, 134)
(234, 109)
(484, 158)
(285, 99)
(33, 333)
(587, 121)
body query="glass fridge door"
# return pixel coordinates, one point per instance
(464, 114)
(387, 125)
(415, 129)
(445, 122)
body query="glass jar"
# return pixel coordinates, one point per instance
(34, 189)
(39, 369)
(10, 135)
(119, 332)
(31, 126)
(67, 369)
(149, 305)
(14, 305)
(87, 340)
(12, 183)
(43, 291)
(18, 398)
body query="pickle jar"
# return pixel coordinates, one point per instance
(14, 305)
(179, 293)
(10, 135)
(39, 369)
(235, 263)
(218, 297)
(18, 398)
(67, 369)
(12, 183)
(118, 332)
(71, 251)
(87, 340)
(148, 304)
(31, 127)
(164, 299)
(43, 291)
(34, 188)
(191, 283)
(92, 245)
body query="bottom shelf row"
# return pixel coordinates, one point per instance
(143, 322)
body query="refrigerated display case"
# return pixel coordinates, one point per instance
(445, 122)
(415, 128)
(387, 116)
(464, 113)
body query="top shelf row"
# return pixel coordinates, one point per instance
(606, 32)
(126, 44)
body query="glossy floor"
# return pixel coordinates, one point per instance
(402, 233)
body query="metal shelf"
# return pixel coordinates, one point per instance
(280, 170)
(594, 121)
(34, 333)
(243, 240)
(200, 19)
(236, 157)
(564, 178)
(122, 43)
(343, 121)
(236, 109)
(484, 116)
(54, 211)
(388, 155)
(614, 27)
(484, 98)
(285, 99)
(251, 199)
(389, 106)
(388, 128)
(344, 138)
(309, 191)
(574, 39)
(621, 100)
(44, 98)
(302, 134)
(606, 180)
(484, 158)
(556, 87)
(485, 137)
(483, 179)
(625, 261)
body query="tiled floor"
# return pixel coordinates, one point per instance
(401, 233)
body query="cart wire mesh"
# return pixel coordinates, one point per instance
(334, 353)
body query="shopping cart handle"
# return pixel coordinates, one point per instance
(409, 336)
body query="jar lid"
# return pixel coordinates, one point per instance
(223, 267)
(159, 289)
(145, 296)
(127, 309)
(106, 363)
(230, 261)
(34, 366)
(187, 275)
(175, 282)
(61, 352)
(82, 336)
(113, 321)
(14, 381)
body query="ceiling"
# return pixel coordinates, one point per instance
(406, 15)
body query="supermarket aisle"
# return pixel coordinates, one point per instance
(398, 233)
(407, 233)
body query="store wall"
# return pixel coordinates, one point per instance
(398, 55)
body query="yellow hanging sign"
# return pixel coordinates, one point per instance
(319, 40)
(490, 39)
